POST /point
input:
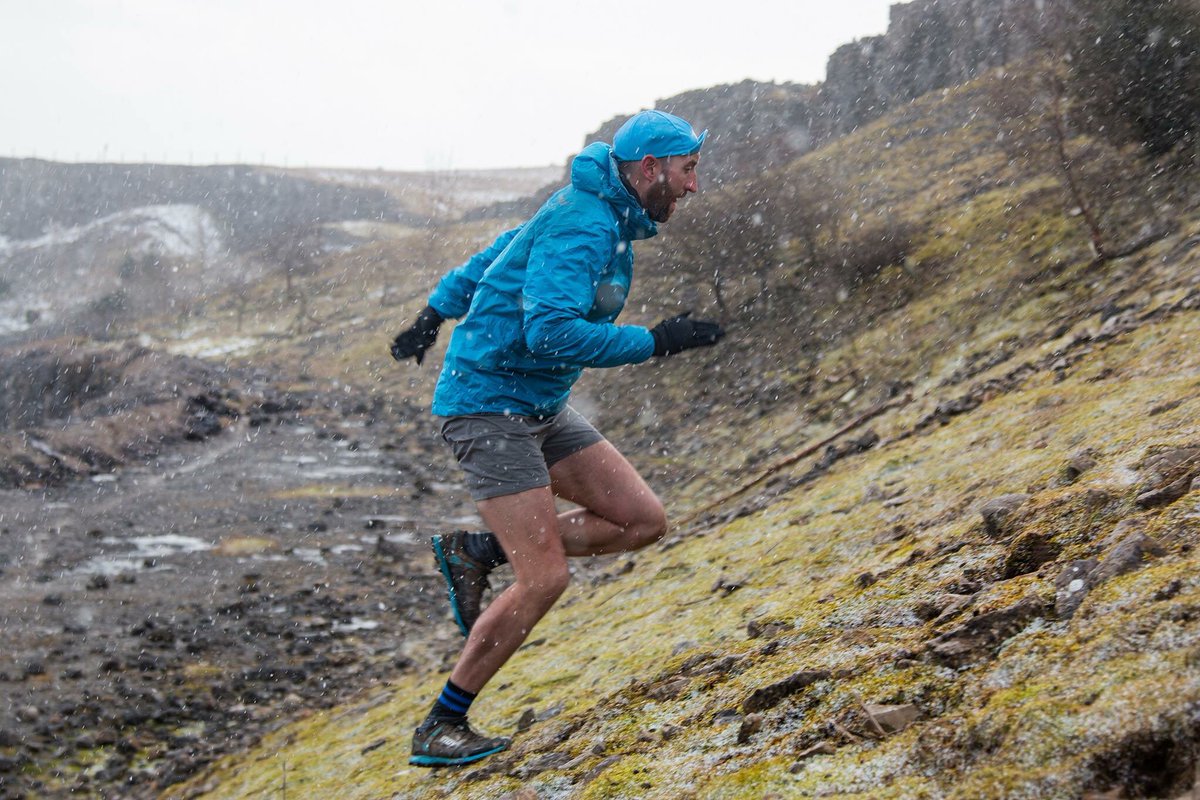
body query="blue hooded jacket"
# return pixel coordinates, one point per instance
(541, 300)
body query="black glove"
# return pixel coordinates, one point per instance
(680, 333)
(419, 338)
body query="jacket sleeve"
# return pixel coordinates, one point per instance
(452, 296)
(565, 264)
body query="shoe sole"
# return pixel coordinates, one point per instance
(440, 761)
(444, 567)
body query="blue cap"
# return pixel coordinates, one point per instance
(655, 133)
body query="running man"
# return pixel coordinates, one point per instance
(538, 306)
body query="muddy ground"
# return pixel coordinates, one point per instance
(162, 614)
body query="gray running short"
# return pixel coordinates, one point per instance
(505, 454)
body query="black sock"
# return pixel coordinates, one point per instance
(452, 704)
(485, 548)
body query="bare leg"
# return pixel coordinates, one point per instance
(527, 527)
(619, 511)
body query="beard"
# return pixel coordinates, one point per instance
(660, 202)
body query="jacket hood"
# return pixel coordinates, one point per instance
(594, 171)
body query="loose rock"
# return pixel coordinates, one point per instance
(751, 725)
(669, 690)
(526, 720)
(595, 771)
(981, 636)
(1129, 555)
(818, 749)
(1078, 464)
(1169, 591)
(771, 696)
(892, 718)
(541, 763)
(1125, 528)
(1165, 495)
(1072, 586)
(998, 512)
(954, 605)
(1097, 498)
(1169, 476)
(521, 794)
(768, 628)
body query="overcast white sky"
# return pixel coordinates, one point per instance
(380, 83)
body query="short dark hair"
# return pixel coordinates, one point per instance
(627, 168)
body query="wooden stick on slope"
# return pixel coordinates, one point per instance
(798, 455)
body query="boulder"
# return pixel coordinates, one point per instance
(1128, 555)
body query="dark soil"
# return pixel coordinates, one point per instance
(163, 613)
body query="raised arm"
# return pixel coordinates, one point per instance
(450, 299)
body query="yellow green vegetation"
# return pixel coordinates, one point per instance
(1048, 711)
(682, 677)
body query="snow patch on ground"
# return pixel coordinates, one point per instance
(206, 347)
(367, 229)
(13, 313)
(182, 231)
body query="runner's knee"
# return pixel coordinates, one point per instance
(549, 582)
(652, 525)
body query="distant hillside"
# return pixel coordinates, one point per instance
(250, 203)
(82, 242)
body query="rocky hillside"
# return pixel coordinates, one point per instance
(936, 505)
(936, 510)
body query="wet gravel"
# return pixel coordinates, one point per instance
(159, 616)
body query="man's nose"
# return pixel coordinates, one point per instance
(693, 184)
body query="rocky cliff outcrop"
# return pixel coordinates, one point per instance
(929, 45)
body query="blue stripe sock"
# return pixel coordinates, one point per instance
(453, 703)
(484, 547)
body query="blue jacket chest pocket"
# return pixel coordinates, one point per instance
(610, 299)
(613, 287)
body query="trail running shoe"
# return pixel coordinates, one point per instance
(446, 743)
(466, 578)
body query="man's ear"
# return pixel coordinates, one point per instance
(650, 167)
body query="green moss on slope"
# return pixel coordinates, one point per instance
(847, 571)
